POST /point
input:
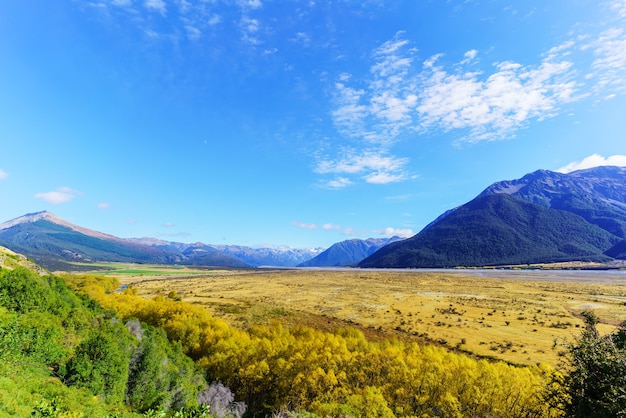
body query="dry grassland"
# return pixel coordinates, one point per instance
(516, 318)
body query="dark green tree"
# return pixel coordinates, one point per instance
(595, 385)
(101, 363)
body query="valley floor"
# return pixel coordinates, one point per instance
(521, 317)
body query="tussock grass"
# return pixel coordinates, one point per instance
(517, 320)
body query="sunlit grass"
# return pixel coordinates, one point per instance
(516, 320)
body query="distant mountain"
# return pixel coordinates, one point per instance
(50, 241)
(265, 256)
(498, 229)
(596, 194)
(348, 253)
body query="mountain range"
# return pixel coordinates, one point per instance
(53, 242)
(543, 217)
(348, 253)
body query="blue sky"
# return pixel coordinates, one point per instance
(298, 123)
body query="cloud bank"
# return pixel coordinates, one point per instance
(594, 160)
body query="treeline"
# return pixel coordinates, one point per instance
(58, 350)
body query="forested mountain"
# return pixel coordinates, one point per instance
(498, 229)
(596, 194)
(348, 253)
(47, 239)
(545, 217)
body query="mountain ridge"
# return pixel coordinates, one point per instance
(348, 252)
(591, 203)
(53, 241)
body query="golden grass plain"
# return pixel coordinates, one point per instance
(521, 318)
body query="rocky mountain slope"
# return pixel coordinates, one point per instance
(348, 253)
(52, 242)
(541, 218)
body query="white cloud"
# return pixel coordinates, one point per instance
(331, 227)
(594, 160)
(494, 106)
(395, 232)
(337, 183)
(121, 3)
(373, 166)
(61, 195)
(609, 66)
(377, 110)
(619, 6)
(250, 4)
(168, 225)
(303, 225)
(249, 27)
(214, 19)
(156, 5)
(3, 174)
(103, 205)
(384, 178)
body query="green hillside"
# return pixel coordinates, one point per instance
(62, 355)
(498, 229)
(44, 240)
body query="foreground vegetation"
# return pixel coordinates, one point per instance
(514, 317)
(155, 356)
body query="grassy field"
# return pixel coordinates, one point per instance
(520, 318)
(134, 271)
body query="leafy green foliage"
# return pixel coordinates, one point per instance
(160, 374)
(596, 383)
(58, 350)
(100, 363)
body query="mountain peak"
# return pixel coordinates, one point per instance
(31, 217)
(52, 218)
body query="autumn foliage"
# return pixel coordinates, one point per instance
(341, 373)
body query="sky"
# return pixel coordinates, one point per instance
(297, 123)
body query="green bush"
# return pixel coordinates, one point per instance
(595, 385)
(101, 363)
(160, 375)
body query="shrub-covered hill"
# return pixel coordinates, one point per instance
(58, 350)
(498, 229)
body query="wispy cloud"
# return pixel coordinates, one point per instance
(156, 5)
(609, 65)
(61, 195)
(103, 205)
(374, 166)
(193, 19)
(619, 6)
(594, 160)
(377, 111)
(249, 28)
(250, 4)
(493, 106)
(402, 96)
(303, 225)
(395, 232)
(3, 174)
(168, 225)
